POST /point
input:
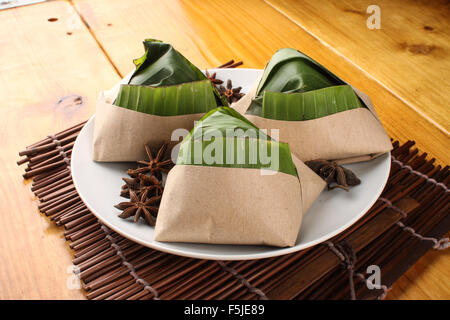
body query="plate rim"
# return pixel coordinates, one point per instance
(260, 255)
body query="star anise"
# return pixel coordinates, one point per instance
(142, 183)
(232, 94)
(335, 176)
(155, 165)
(150, 186)
(140, 207)
(212, 78)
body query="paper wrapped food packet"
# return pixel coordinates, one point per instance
(233, 184)
(164, 93)
(317, 113)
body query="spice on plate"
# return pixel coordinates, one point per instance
(155, 165)
(232, 94)
(336, 176)
(151, 185)
(213, 79)
(144, 186)
(140, 207)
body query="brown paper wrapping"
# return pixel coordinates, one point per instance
(311, 184)
(349, 136)
(120, 134)
(235, 205)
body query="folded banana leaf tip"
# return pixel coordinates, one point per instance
(295, 87)
(226, 128)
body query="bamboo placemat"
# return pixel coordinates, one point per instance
(410, 218)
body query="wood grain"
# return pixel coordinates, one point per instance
(427, 279)
(39, 65)
(212, 33)
(42, 62)
(407, 55)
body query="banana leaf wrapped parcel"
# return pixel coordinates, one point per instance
(317, 113)
(234, 184)
(165, 92)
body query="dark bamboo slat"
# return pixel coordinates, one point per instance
(112, 267)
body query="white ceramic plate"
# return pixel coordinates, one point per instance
(99, 185)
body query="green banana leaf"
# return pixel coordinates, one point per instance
(233, 142)
(185, 98)
(223, 120)
(309, 105)
(162, 65)
(291, 71)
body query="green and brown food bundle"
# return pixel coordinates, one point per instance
(317, 113)
(227, 201)
(164, 93)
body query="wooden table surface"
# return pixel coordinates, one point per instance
(46, 63)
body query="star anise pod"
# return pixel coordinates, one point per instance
(232, 94)
(150, 186)
(140, 207)
(335, 176)
(142, 183)
(155, 165)
(212, 78)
